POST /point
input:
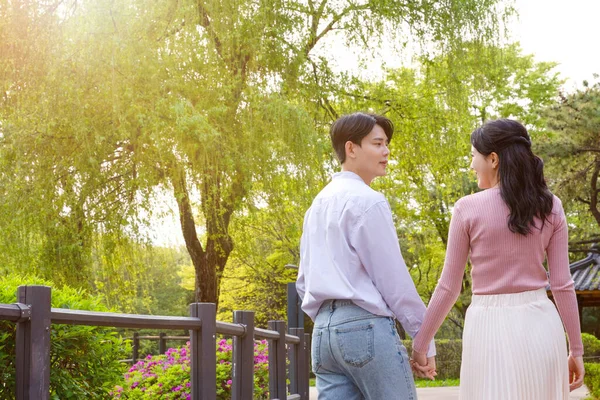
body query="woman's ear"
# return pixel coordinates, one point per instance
(495, 160)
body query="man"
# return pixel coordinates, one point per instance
(352, 278)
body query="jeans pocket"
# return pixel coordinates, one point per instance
(316, 350)
(356, 344)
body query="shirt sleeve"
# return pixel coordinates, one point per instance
(300, 285)
(376, 244)
(450, 283)
(561, 282)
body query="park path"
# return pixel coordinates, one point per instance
(451, 393)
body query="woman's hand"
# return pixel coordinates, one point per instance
(576, 372)
(422, 366)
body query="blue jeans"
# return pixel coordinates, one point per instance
(357, 355)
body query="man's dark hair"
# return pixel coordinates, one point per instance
(354, 127)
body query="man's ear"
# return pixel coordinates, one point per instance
(350, 149)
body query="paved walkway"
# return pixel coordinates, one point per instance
(451, 393)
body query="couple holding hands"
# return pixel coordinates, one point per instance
(354, 283)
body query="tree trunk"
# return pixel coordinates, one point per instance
(208, 263)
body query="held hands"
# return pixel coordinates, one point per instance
(576, 372)
(423, 366)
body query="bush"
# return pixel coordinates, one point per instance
(84, 360)
(591, 346)
(447, 360)
(592, 379)
(168, 376)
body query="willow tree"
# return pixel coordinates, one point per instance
(213, 101)
(269, 58)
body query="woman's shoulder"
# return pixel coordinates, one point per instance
(557, 206)
(484, 196)
(556, 202)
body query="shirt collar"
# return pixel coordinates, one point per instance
(347, 175)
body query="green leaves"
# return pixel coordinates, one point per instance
(571, 148)
(223, 105)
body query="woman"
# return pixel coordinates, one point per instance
(513, 342)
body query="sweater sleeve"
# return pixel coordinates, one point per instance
(561, 283)
(376, 244)
(450, 282)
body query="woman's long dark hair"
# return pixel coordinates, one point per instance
(521, 173)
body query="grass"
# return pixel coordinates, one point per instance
(423, 383)
(420, 383)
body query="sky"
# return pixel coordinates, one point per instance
(562, 31)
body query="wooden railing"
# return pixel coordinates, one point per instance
(33, 315)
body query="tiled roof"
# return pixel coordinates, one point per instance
(586, 273)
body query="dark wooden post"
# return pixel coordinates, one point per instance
(277, 375)
(294, 310)
(162, 343)
(203, 352)
(300, 365)
(306, 367)
(293, 351)
(135, 347)
(33, 345)
(243, 358)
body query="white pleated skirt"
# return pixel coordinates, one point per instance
(514, 348)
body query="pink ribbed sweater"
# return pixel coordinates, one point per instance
(503, 262)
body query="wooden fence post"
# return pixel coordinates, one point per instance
(306, 367)
(162, 343)
(293, 353)
(277, 370)
(33, 345)
(299, 366)
(135, 347)
(203, 352)
(243, 358)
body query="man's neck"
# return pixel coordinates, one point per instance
(353, 169)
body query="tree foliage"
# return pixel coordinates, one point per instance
(434, 115)
(572, 150)
(106, 104)
(435, 107)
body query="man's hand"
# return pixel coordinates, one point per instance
(422, 366)
(576, 372)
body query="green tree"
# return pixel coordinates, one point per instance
(435, 107)
(572, 154)
(428, 171)
(207, 99)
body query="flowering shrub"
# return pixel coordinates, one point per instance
(168, 376)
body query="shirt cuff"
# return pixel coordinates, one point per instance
(431, 351)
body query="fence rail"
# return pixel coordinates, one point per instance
(33, 316)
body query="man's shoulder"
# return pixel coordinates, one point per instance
(347, 196)
(356, 192)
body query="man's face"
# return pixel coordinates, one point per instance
(372, 155)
